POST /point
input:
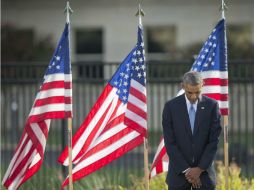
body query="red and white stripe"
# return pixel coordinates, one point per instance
(105, 152)
(136, 113)
(110, 130)
(52, 101)
(216, 87)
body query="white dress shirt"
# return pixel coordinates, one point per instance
(188, 103)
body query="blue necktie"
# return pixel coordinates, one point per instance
(192, 114)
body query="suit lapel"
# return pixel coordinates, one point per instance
(186, 116)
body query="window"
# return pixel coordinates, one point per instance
(89, 41)
(239, 41)
(161, 46)
(13, 42)
(89, 44)
(161, 40)
(89, 51)
(20, 45)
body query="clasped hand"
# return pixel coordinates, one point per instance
(192, 175)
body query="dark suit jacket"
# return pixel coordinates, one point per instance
(191, 150)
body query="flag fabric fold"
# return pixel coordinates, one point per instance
(212, 63)
(160, 162)
(53, 101)
(117, 122)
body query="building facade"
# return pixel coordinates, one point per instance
(106, 30)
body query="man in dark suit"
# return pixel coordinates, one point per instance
(191, 129)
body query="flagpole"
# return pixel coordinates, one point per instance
(70, 152)
(226, 162)
(223, 8)
(68, 10)
(225, 118)
(146, 170)
(141, 13)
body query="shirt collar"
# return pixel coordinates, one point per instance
(188, 103)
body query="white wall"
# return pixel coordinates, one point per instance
(194, 19)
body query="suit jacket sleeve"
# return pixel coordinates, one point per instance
(175, 156)
(213, 140)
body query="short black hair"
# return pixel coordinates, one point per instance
(192, 78)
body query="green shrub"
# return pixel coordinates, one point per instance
(156, 183)
(101, 180)
(236, 182)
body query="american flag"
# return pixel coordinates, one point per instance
(117, 122)
(213, 65)
(53, 101)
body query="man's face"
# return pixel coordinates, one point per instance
(192, 92)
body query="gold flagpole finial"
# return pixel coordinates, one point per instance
(140, 11)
